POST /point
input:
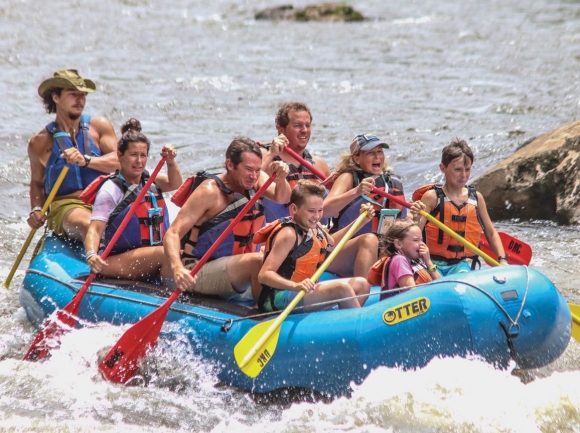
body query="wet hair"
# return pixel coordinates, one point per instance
(239, 145)
(399, 231)
(49, 104)
(283, 116)
(131, 133)
(305, 189)
(455, 149)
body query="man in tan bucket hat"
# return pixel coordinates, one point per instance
(87, 145)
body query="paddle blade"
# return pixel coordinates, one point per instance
(49, 336)
(575, 311)
(518, 252)
(122, 361)
(64, 320)
(251, 357)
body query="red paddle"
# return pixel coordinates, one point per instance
(122, 361)
(517, 252)
(51, 331)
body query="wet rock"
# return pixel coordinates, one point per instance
(539, 181)
(335, 12)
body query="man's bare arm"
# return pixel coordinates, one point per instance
(321, 164)
(107, 143)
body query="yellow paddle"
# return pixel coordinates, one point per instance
(574, 309)
(257, 347)
(47, 203)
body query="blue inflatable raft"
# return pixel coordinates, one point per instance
(502, 313)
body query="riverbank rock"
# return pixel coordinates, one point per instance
(539, 181)
(334, 12)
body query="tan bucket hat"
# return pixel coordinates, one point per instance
(67, 79)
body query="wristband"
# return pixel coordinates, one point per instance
(87, 161)
(432, 269)
(90, 254)
(502, 258)
(35, 209)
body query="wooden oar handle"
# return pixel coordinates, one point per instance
(43, 211)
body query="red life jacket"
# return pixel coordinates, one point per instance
(302, 261)
(146, 226)
(182, 193)
(201, 237)
(463, 220)
(379, 274)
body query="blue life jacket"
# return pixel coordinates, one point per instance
(239, 241)
(352, 210)
(146, 226)
(77, 178)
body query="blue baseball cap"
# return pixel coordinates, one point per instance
(366, 142)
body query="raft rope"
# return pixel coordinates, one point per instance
(228, 323)
(507, 330)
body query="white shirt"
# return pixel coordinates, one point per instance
(108, 197)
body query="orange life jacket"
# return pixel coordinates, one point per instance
(352, 210)
(379, 274)
(463, 220)
(302, 261)
(239, 241)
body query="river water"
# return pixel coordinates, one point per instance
(197, 73)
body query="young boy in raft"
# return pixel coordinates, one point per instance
(460, 207)
(405, 259)
(295, 247)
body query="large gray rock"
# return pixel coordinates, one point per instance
(324, 12)
(539, 181)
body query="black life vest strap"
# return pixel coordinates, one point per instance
(441, 196)
(86, 138)
(130, 193)
(286, 268)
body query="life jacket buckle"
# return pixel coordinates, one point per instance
(154, 223)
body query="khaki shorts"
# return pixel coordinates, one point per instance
(59, 209)
(212, 279)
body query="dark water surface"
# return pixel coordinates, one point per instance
(198, 73)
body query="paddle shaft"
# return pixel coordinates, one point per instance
(119, 373)
(119, 232)
(38, 349)
(43, 211)
(221, 237)
(403, 203)
(351, 231)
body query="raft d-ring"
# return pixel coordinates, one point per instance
(227, 325)
(514, 334)
(499, 280)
